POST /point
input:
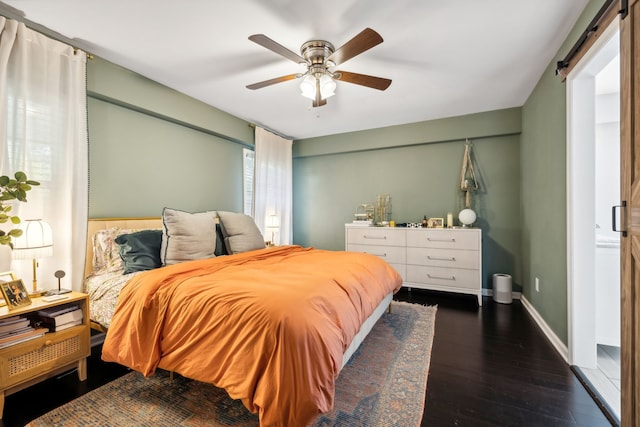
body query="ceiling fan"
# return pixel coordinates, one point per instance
(319, 56)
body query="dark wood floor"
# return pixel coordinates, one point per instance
(489, 367)
(492, 366)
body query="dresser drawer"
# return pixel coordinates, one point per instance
(391, 254)
(449, 277)
(376, 236)
(448, 258)
(401, 269)
(444, 239)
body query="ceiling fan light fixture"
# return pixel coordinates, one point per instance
(327, 86)
(308, 86)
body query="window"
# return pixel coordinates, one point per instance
(248, 167)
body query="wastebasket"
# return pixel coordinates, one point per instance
(502, 288)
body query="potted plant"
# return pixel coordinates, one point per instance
(12, 189)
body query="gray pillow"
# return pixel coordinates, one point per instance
(240, 233)
(187, 236)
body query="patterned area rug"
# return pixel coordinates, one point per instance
(384, 384)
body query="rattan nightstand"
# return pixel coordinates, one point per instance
(27, 363)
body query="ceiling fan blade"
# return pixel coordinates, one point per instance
(362, 79)
(272, 81)
(362, 42)
(276, 47)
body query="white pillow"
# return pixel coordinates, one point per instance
(187, 236)
(241, 234)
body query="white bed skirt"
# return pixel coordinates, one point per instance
(366, 328)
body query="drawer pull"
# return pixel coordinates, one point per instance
(375, 237)
(441, 277)
(380, 255)
(435, 258)
(452, 239)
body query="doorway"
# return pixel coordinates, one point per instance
(593, 248)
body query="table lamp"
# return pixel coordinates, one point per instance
(273, 223)
(35, 242)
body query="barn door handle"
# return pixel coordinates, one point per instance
(623, 204)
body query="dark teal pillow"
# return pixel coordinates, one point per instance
(140, 251)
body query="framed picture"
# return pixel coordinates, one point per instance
(436, 223)
(15, 294)
(7, 276)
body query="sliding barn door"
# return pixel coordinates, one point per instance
(630, 189)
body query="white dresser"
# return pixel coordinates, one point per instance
(443, 259)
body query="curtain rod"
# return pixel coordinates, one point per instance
(253, 126)
(591, 29)
(18, 15)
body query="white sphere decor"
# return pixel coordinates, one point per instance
(467, 217)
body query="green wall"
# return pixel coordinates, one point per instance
(419, 165)
(544, 195)
(152, 147)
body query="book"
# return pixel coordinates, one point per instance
(68, 325)
(10, 319)
(57, 311)
(23, 328)
(16, 338)
(14, 325)
(60, 319)
(36, 333)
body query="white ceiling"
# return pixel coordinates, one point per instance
(446, 58)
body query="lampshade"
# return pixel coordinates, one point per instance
(36, 240)
(308, 86)
(326, 83)
(273, 221)
(327, 87)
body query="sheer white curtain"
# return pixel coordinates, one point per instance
(43, 132)
(273, 186)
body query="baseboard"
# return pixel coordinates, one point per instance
(556, 342)
(489, 293)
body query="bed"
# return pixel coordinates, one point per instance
(272, 326)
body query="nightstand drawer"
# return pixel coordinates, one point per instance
(449, 277)
(391, 254)
(444, 239)
(31, 359)
(448, 258)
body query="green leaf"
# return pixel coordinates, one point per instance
(16, 232)
(21, 176)
(8, 195)
(15, 220)
(25, 187)
(4, 180)
(30, 182)
(21, 195)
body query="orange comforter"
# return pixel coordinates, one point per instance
(268, 326)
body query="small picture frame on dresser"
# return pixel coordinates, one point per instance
(436, 223)
(15, 294)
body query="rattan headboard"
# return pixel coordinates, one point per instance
(96, 224)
